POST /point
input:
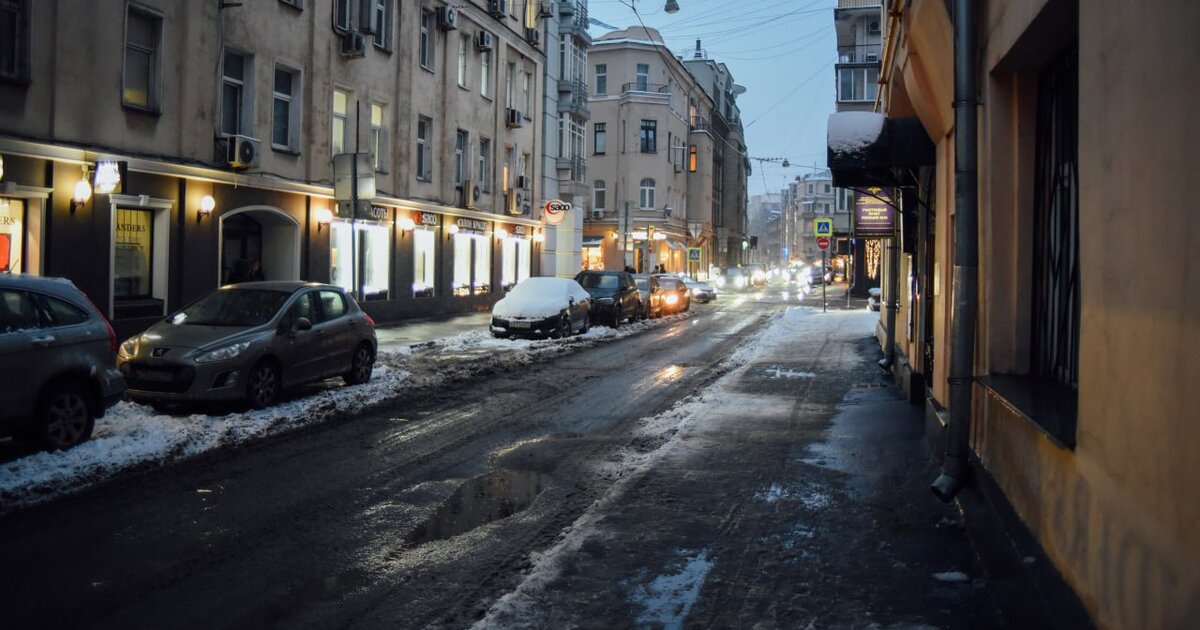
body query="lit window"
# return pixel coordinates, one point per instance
(692, 158)
(378, 139)
(424, 262)
(142, 37)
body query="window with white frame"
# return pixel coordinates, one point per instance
(424, 261)
(143, 41)
(464, 44)
(424, 149)
(643, 77)
(373, 257)
(575, 131)
(460, 149)
(527, 92)
(15, 45)
(485, 73)
(285, 109)
(562, 135)
(599, 195)
(509, 96)
(646, 198)
(428, 35)
(341, 108)
(381, 21)
(601, 79)
(485, 158)
(515, 261)
(858, 84)
(341, 14)
(237, 83)
(599, 138)
(378, 138)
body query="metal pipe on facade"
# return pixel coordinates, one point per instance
(892, 296)
(965, 282)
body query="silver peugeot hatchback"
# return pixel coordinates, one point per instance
(57, 372)
(249, 342)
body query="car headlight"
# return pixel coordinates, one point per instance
(128, 349)
(697, 292)
(223, 354)
(604, 300)
(720, 280)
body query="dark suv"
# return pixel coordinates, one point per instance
(57, 362)
(614, 294)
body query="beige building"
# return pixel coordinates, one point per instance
(1068, 388)
(224, 120)
(651, 164)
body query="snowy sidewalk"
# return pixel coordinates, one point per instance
(791, 493)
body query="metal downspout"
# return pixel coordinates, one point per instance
(966, 253)
(892, 297)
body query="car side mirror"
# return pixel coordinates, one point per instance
(302, 324)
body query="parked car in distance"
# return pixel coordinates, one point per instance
(702, 292)
(542, 307)
(249, 342)
(651, 294)
(676, 296)
(818, 276)
(615, 296)
(733, 279)
(56, 362)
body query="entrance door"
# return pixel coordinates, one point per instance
(243, 244)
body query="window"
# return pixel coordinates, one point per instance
(133, 255)
(485, 158)
(12, 235)
(857, 84)
(828, 188)
(646, 200)
(61, 313)
(378, 139)
(424, 149)
(601, 79)
(382, 22)
(515, 259)
(374, 242)
(472, 264)
(17, 312)
(464, 43)
(598, 194)
(140, 79)
(527, 92)
(649, 136)
(341, 14)
(15, 46)
(643, 77)
(692, 158)
(508, 86)
(333, 305)
(424, 242)
(599, 138)
(460, 150)
(285, 109)
(236, 110)
(427, 39)
(341, 105)
(485, 73)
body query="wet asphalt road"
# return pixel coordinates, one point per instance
(367, 521)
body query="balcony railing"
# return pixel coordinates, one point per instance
(645, 88)
(867, 53)
(699, 123)
(575, 167)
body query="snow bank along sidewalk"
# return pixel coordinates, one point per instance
(133, 436)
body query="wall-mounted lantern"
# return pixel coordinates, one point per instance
(83, 190)
(406, 224)
(323, 216)
(207, 205)
(501, 234)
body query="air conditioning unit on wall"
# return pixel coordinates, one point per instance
(447, 18)
(597, 213)
(471, 194)
(512, 117)
(242, 151)
(354, 45)
(498, 8)
(484, 40)
(547, 8)
(533, 36)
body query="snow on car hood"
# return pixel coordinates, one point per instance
(529, 306)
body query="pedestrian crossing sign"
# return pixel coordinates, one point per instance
(693, 254)
(823, 227)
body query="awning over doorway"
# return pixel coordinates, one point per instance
(870, 149)
(676, 245)
(593, 241)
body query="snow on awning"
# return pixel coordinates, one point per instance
(593, 241)
(865, 148)
(676, 245)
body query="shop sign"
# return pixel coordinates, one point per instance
(109, 174)
(520, 230)
(874, 215)
(425, 218)
(474, 225)
(556, 211)
(377, 213)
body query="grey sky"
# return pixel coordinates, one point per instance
(783, 51)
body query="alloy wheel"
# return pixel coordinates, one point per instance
(67, 418)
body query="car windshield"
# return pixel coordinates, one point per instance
(598, 281)
(642, 283)
(232, 307)
(536, 287)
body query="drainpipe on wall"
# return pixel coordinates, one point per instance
(965, 282)
(892, 297)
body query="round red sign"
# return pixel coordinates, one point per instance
(823, 242)
(556, 211)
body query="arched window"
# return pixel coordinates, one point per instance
(647, 197)
(598, 192)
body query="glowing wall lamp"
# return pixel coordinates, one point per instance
(540, 237)
(406, 223)
(207, 204)
(83, 190)
(453, 229)
(501, 234)
(323, 216)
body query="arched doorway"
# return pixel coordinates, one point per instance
(259, 233)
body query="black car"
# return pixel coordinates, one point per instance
(615, 296)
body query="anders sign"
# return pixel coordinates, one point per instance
(874, 214)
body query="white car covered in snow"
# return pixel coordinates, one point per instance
(542, 307)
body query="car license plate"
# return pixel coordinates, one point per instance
(158, 376)
(519, 324)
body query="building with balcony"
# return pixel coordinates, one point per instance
(653, 161)
(858, 27)
(222, 122)
(565, 118)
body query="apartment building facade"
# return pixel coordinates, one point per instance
(184, 140)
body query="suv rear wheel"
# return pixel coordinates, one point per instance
(64, 417)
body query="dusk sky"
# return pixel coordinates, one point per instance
(782, 51)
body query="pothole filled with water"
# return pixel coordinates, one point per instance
(481, 500)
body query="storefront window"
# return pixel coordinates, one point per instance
(514, 261)
(423, 262)
(375, 242)
(12, 229)
(472, 264)
(593, 257)
(133, 254)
